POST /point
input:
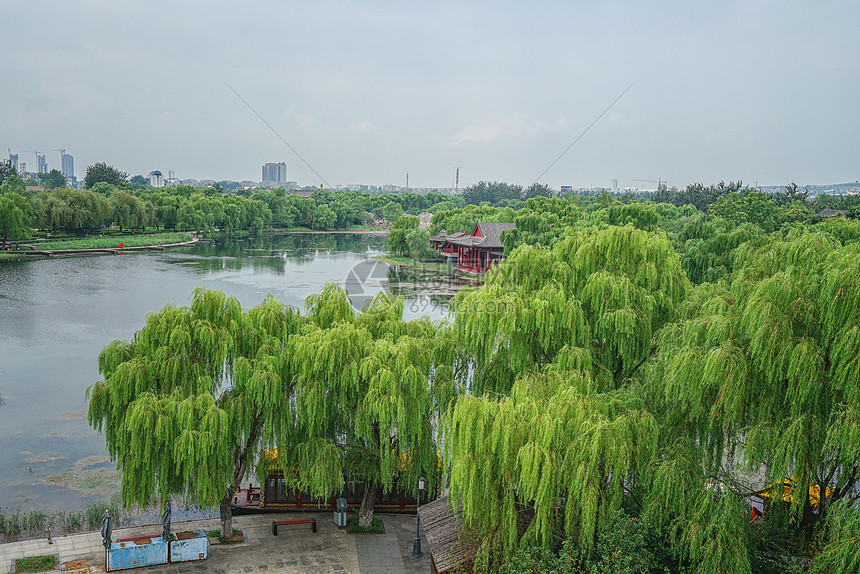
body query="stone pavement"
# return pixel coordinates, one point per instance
(296, 550)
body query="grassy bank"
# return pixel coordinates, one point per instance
(114, 242)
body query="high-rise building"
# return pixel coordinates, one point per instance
(13, 159)
(42, 163)
(275, 174)
(68, 165)
(156, 179)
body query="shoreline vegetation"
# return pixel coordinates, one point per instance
(105, 245)
(38, 521)
(113, 241)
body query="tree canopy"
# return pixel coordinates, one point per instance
(103, 172)
(360, 408)
(553, 340)
(188, 403)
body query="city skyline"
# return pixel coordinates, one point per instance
(760, 91)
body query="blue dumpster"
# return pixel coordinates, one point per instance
(189, 545)
(137, 552)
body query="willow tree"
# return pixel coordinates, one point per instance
(592, 303)
(552, 423)
(188, 402)
(761, 379)
(361, 408)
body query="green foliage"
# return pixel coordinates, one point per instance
(14, 215)
(843, 229)
(189, 402)
(96, 510)
(542, 221)
(570, 327)
(323, 218)
(418, 243)
(103, 172)
(747, 206)
(758, 377)
(841, 537)
(392, 211)
(594, 300)
(697, 194)
(400, 229)
(71, 210)
(792, 194)
(54, 179)
(495, 193)
(376, 526)
(35, 563)
(707, 246)
(467, 218)
(116, 240)
(12, 183)
(6, 170)
(72, 521)
(627, 546)
(237, 537)
(360, 405)
(640, 216)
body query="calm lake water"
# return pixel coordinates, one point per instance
(57, 315)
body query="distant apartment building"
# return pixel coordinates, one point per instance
(156, 179)
(42, 163)
(274, 174)
(13, 159)
(67, 166)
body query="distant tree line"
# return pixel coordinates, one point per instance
(109, 200)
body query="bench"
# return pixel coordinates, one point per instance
(276, 523)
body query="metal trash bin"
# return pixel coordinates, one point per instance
(340, 513)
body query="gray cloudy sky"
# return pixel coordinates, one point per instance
(764, 91)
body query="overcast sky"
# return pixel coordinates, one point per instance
(367, 92)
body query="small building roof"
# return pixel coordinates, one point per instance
(486, 235)
(444, 530)
(833, 212)
(491, 233)
(441, 236)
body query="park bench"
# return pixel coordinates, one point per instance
(276, 523)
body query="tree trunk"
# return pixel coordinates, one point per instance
(226, 517)
(368, 501)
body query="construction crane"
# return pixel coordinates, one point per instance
(38, 155)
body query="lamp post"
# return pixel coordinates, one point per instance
(416, 548)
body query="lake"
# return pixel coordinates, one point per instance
(57, 315)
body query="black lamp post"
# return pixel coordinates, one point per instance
(416, 548)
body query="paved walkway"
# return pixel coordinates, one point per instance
(296, 550)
